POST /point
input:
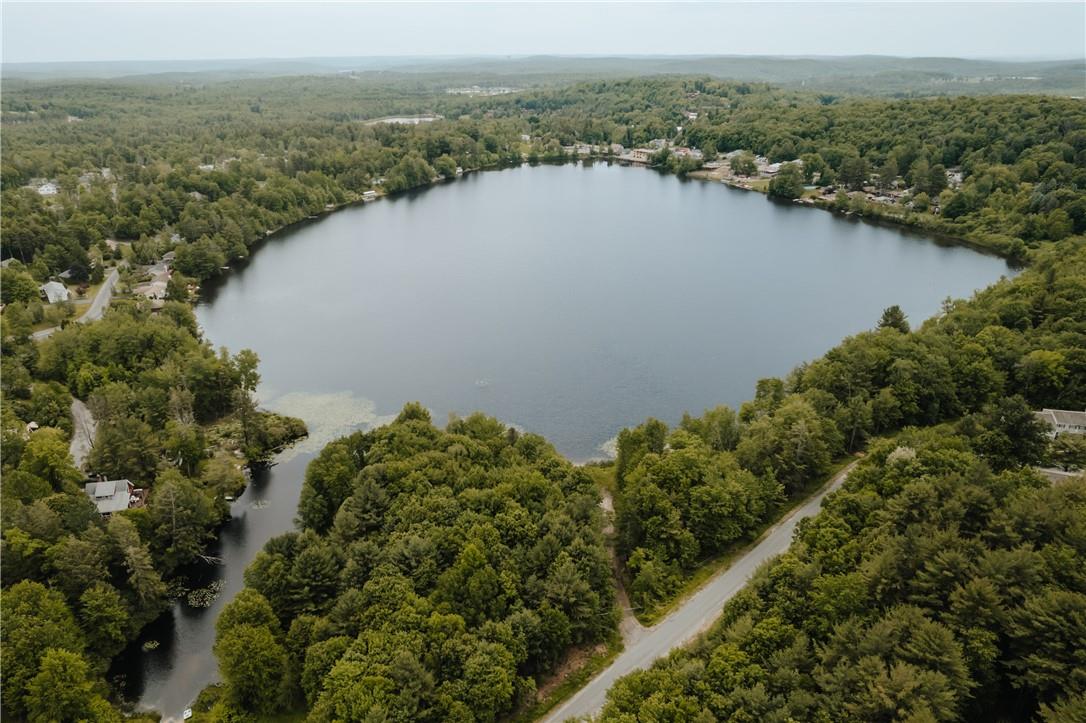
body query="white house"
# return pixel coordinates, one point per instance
(369, 195)
(115, 495)
(1062, 421)
(48, 189)
(54, 291)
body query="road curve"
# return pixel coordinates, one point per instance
(695, 615)
(94, 311)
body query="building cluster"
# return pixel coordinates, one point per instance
(645, 154)
(154, 288)
(475, 90)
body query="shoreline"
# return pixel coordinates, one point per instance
(702, 175)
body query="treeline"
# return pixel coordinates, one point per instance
(1022, 158)
(435, 575)
(218, 167)
(686, 495)
(482, 520)
(930, 588)
(683, 497)
(174, 418)
(178, 163)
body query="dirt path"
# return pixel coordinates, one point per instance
(629, 627)
(83, 430)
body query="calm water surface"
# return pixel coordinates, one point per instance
(571, 301)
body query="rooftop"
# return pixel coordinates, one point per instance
(1063, 417)
(110, 496)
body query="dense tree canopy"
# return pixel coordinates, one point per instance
(929, 588)
(436, 573)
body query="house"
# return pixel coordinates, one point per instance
(525, 137)
(1062, 421)
(48, 189)
(116, 495)
(684, 152)
(691, 115)
(369, 195)
(205, 167)
(53, 291)
(641, 155)
(155, 289)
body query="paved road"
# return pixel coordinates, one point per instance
(83, 429)
(1055, 476)
(694, 616)
(94, 312)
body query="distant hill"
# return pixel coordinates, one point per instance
(869, 74)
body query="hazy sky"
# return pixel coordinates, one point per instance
(74, 31)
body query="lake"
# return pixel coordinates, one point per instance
(569, 300)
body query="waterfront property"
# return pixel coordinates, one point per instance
(115, 495)
(409, 120)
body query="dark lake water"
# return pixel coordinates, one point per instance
(568, 300)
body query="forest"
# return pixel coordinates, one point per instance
(222, 164)
(944, 529)
(942, 583)
(931, 588)
(441, 574)
(434, 575)
(685, 495)
(174, 418)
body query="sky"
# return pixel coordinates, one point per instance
(43, 31)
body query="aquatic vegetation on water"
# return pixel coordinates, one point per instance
(204, 597)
